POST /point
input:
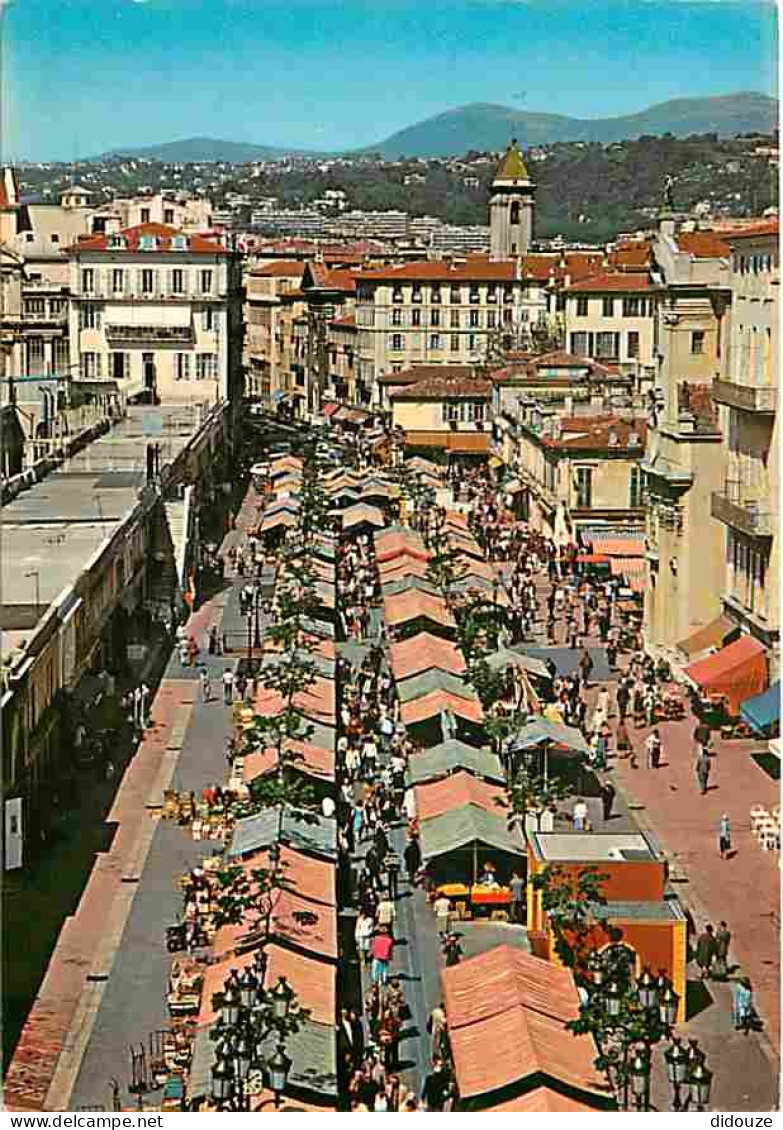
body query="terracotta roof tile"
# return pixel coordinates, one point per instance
(163, 234)
(542, 1100)
(281, 268)
(418, 373)
(440, 388)
(453, 792)
(478, 270)
(753, 231)
(423, 651)
(619, 281)
(592, 433)
(703, 244)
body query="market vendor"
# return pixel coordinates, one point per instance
(488, 877)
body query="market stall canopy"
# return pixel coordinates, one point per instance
(399, 540)
(404, 583)
(438, 797)
(433, 704)
(304, 831)
(302, 757)
(512, 1033)
(464, 826)
(363, 515)
(314, 981)
(433, 680)
(403, 566)
(762, 712)
(737, 672)
(283, 520)
(540, 730)
(414, 605)
(423, 651)
(706, 638)
(310, 878)
(294, 922)
(510, 657)
(453, 756)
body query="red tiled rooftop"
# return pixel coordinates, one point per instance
(593, 432)
(281, 268)
(753, 231)
(163, 234)
(703, 244)
(479, 269)
(461, 788)
(420, 709)
(422, 652)
(438, 388)
(417, 373)
(619, 281)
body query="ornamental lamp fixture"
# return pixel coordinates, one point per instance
(668, 1003)
(222, 1081)
(700, 1084)
(278, 1068)
(281, 999)
(229, 1009)
(613, 996)
(639, 1072)
(676, 1062)
(647, 988)
(248, 988)
(243, 1058)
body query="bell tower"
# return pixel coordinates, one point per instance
(511, 207)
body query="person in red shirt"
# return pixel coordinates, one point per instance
(381, 950)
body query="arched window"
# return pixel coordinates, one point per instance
(515, 212)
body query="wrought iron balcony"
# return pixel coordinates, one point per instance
(165, 335)
(742, 508)
(750, 398)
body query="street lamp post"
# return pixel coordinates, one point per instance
(248, 1013)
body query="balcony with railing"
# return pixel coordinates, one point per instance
(744, 508)
(750, 398)
(150, 335)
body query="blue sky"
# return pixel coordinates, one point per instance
(83, 77)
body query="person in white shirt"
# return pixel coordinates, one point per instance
(580, 815)
(228, 686)
(328, 807)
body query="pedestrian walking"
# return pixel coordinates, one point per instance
(412, 856)
(206, 686)
(653, 745)
(381, 950)
(580, 815)
(608, 794)
(720, 968)
(228, 686)
(724, 836)
(705, 951)
(703, 767)
(517, 887)
(585, 667)
(442, 908)
(743, 1010)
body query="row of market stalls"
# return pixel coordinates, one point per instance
(728, 672)
(299, 940)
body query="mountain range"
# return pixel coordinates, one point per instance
(486, 126)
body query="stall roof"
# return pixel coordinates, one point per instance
(318, 701)
(304, 831)
(438, 797)
(762, 712)
(433, 680)
(738, 671)
(453, 755)
(397, 540)
(310, 878)
(295, 922)
(708, 636)
(511, 657)
(403, 566)
(363, 515)
(414, 605)
(313, 1052)
(314, 981)
(282, 520)
(541, 1100)
(406, 582)
(543, 730)
(466, 825)
(423, 651)
(311, 760)
(514, 1028)
(430, 705)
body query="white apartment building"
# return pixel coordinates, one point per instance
(159, 312)
(610, 317)
(748, 504)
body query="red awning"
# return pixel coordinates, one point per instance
(592, 559)
(738, 671)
